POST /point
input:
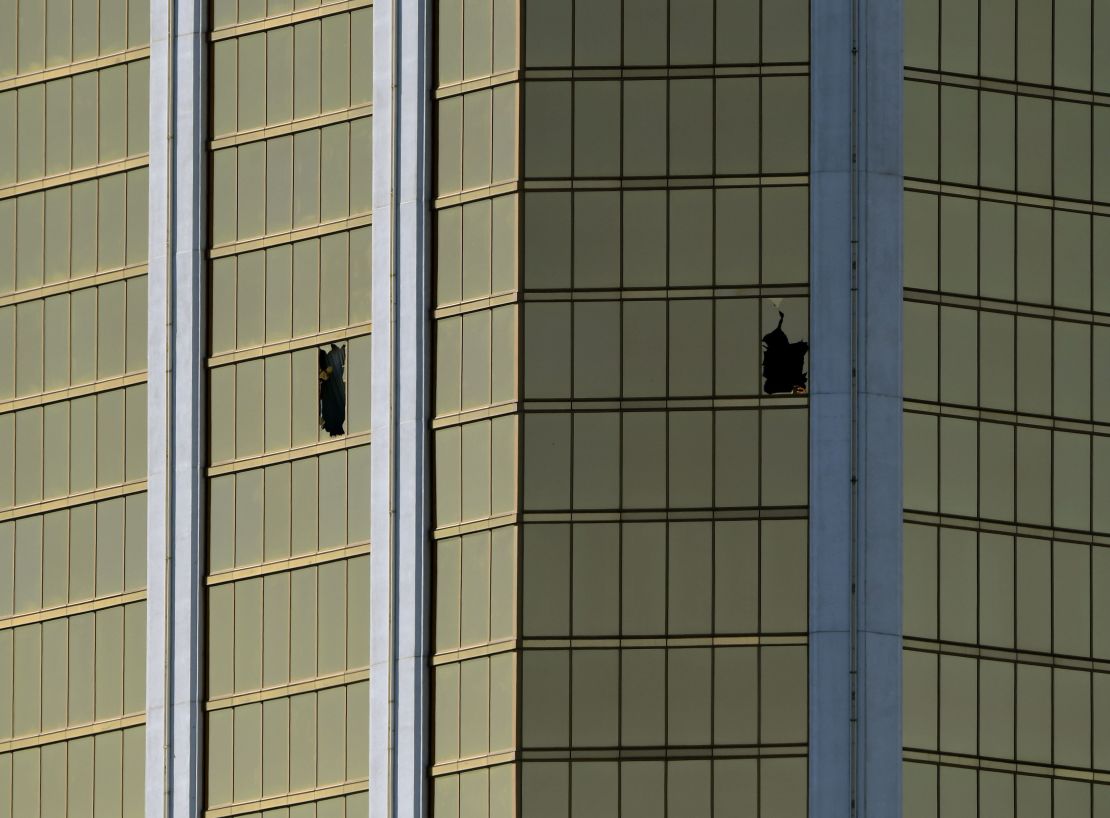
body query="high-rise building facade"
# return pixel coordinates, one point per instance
(502, 408)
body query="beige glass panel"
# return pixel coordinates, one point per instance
(997, 51)
(223, 196)
(783, 687)
(275, 747)
(643, 788)
(111, 324)
(278, 386)
(82, 553)
(784, 125)
(28, 347)
(223, 309)
(26, 786)
(134, 746)
(252, 190)
(7, 659)
(55, 557)
(279, 184)
(249, 385)
(7, 243)
(56, 256)
(303, 628)
(476, 470)
(919, 697)
(109, 663)
(306, 70)
(1034, 41)
(27, 681)
(1034, 343)
(306, 178)
(221, 726)
(248, 753)
(304, 530)
(1034, 713)
(28, 564)
(1034, 467)
(302, 742)
(596, 240)
(1072, 260)
(28, 456)
(109, 547)
(224, 96)
(31, 132)
(595, 580)
(136, 324)
(111, 223)
(448, 594)
(335, 172)
(248, 635)
(735, 695)
(279, 293)
(8, 138)
(446, 742)
(331, 736)
(737, 126)
(251, 72)
(221, 641)
(361, 165)
(221, 522)
(643, 579)
(689, 696)
(86, 119)
(279, 75)
(248, 517)
(134, 658)
(110, 438)
(79, 795)
(29, 240)
(8, 359)
(251, 10)
(137, 216)
(545, 699)
(921, 139)
(250, 300)
(644, 351)
(331, 623)
(84, 216)
(113, 111)
(958, 704)
(1071, 167)
(643, 697)
(1034, 144)
(134, 575)
(920, 791)
(336, 69)
(645, 130)
(785, 235)
(59, 126)
(275, 630)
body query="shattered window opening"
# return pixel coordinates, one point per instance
(784, 363)
(333, 394)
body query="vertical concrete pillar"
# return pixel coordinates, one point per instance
(175, 410)
(400, 386)
(856, 426)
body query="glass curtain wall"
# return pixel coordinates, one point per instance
(73, 250)
(289, 409)
(1007, 413)
(621, 536)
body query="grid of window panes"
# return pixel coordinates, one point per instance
(288, 534)
(73, 304)
(621, 546)
(1007, 425)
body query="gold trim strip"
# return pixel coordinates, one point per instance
(451, 657)
(72, 392)
(475, 763)
(1006, 528)
(70, 733)
(73, 500)
(1009, 307)
(297, 126)
(290, 237)
(234, 466)
(1017, 767)
(48, 614)
(72, 285)
(1006, 197)
(475, 526)
(484, 413)
(291, 564)
(288, 19)
(478, 304)
(458, 89)
(1024, 89)
(1009, 418)
(71, 69)
(285, 691)
(74, 176)
(307, 342)
(673, 72)
(349, 788)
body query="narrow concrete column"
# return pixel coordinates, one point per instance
(399, 564)
(856, 410)
(175, 410)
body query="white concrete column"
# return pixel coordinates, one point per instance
(175, 410)
(400, 511)
(855, 682)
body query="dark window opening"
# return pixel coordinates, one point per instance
(333, 395)
(784, 363)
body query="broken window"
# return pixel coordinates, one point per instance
(783, 363)
(333, 395)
